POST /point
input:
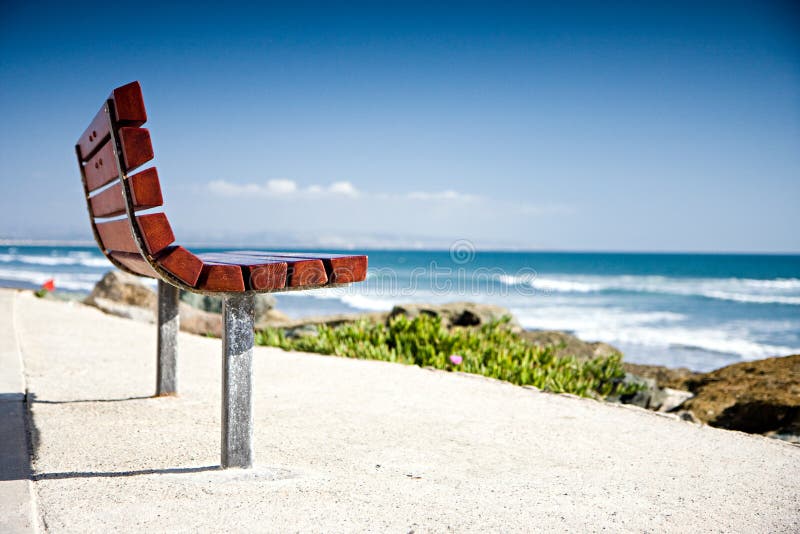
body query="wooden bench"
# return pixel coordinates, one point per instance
(109, 151)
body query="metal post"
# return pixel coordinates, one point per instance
(168, 323)
(238, 311)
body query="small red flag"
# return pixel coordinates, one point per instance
(50, 285)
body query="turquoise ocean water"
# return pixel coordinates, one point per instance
(701, 311)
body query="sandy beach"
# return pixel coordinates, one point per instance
(347, 445)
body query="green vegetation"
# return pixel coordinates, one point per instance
(492, 350)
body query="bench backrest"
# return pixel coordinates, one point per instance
(111, 153)
(112, 147)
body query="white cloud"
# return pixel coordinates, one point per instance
(284, 187)
(448, 194)
(280, 187)
(343, 188)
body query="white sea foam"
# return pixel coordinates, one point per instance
(52, 261)
(757, 299)
(368, 303)
(776, 291)
(649, 329)
(66, 281)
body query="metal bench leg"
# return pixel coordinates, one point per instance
(168, 324)
(238, 312)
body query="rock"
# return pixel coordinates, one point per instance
(271, 317)
(126, 295)
(686, 415)
(200, 322)
(126, 311)
(668, 399)
(202, 302)
(665, 377)
(568, 345)
(264, 303)
(642, 398)
(759, 397)
(651, 396)
(276, 319)
(456, 313)
(122, 288)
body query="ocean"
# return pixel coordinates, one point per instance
(700, 311)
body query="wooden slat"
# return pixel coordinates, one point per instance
(129, 111)
(95, 135)
(347, 269)
(266, 276)
(137, 149)
(135, 263)
(101, 168)
(306, 272)
(145, 193)
(155, 228)
(116, 235)
(221, 277)
(156, 231)
(340, 268)
(129, 105)
(301, 270)
(182, 264)
(259, 274)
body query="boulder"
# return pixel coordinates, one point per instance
(457, 313)
(264, 303)
(126, 295)
(568, 345)
(122, 288)
(665, 377)
(761, 396)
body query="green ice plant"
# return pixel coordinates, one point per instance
(492, 350)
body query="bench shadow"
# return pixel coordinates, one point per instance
(15, 446)
(17, 419)
(119, 474)
(33, 399)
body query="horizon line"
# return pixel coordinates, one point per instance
(201, 244)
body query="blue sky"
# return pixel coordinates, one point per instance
(638, 126)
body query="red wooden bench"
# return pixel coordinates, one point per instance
(109, 151)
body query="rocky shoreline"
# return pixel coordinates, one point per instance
(761, 397)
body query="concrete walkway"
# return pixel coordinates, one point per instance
(349, 445)
(17, 509)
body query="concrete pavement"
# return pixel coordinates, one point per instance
(351, 445)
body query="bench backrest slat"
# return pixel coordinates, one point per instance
(155, 231)
(145, 189)
(128, 109)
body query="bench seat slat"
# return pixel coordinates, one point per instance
(145, 192)
(221, 277)
(341, 268)
(181, 263)
(259, 274)
(299, 271)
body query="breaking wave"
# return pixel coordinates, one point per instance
(776, 291)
